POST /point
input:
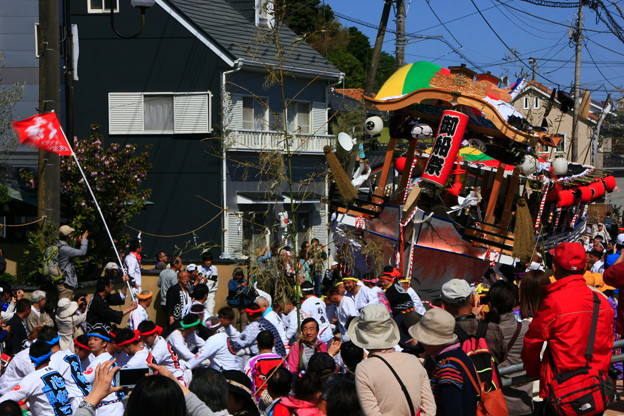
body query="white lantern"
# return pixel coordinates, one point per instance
(421, 131)
(373, 125)
(529, 164)
(560, 165)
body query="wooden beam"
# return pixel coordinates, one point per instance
(511, 192)
(383, 177)
(491, 206)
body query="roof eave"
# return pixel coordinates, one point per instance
(312, 73)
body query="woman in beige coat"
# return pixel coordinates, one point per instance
(68, 323)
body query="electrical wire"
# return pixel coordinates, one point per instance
(521, 19)
(598, 68)
(443, 24)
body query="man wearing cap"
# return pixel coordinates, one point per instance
(161, 350)
(361, 294)
(44, 389)
(563, 322)
(378, 389)
(98, 341)
(458, 299)
(67, 321)
(140, 313)
(38, 316)
(450, 382)
(66, 256)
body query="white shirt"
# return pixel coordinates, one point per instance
(17, 369)
(164, 355)
(365, 296)
(273, 317)
(45, 392)
(89, 373)
(140, 359)
(212, 275)
(346, 309)
(216, 350)
(134, 268)
(290, 324)
(137, 316)
(598, 267)
(418, 305)
(68, 365)
(183, 348)
(315, 308)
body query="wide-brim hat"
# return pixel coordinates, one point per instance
(436, 327)
(66, 308)
(374, 329)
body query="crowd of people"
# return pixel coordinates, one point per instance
(341, 345)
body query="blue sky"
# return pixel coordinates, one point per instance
(466, 30)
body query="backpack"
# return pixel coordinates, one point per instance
(476, 347)
(264, 368)
(50, 267)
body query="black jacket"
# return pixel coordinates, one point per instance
(19, 335)
(100, 312)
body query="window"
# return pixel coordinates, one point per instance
(298, 117)
(102, 6)
(159, 113)
(255, 114)
(536, 103)
(562, 147)
(526, 103)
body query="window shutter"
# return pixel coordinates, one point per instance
(235, 116)
(319, 225)
(234, 233)
(125, 113)
(319, 118)
(191, 113)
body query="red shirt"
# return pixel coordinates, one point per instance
(563, 321)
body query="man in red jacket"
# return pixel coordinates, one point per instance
(563, 320)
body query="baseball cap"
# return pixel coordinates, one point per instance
(191, 267)
(66, 230)
(620, 239)
(111, 266)
(569, 256)
(456, 291)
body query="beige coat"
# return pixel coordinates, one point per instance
(68, 330)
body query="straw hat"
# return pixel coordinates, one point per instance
(437, 327)
(374, 329)
(66, 308)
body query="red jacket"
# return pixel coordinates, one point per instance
(614, 276)
(563, 321)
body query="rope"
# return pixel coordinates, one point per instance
(25, 224)
(177, 235)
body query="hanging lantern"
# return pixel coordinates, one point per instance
(598, 189)
(610, 183)
(399, 164)
(586, 193)
(565, 198)
(553, 194)
(529, 165)
(560, 166)
(444, 152)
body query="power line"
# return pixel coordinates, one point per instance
(549, 3)
(443, 24)
(525, 23)
(598, 68)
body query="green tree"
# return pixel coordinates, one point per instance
(350, 65)
(359, 46)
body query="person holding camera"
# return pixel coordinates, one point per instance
(66, 256)
(67, 321)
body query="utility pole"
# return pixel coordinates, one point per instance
(533, 63)
(49, 187)
(381, 32)
(578, 37)
(400, 33)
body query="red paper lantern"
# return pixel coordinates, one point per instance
(399, 164)
(553, 194)
(565, 198)
(598, 188)
(586, 193)
(444, 152)
(610, 183)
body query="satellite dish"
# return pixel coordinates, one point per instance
(345, 141)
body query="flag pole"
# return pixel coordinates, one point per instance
(101, 215)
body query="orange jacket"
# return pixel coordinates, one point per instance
(563, 321)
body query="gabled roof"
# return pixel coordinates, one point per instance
(233, 37)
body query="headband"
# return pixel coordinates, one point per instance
(406, 280)
(38, 360)
(143, 297)
(157, 330)
(112, 334)
(338, 283)
(135, 338)
(239, 385)
(253, 311)
(210, 326)
(387, 277)
(81, 345)
(100, 336)
(187, 326)
(54, 340)
(354, 279)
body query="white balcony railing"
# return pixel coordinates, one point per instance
(270, 140)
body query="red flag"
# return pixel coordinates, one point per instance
(44, 132)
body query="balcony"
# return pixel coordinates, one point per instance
(271, 140)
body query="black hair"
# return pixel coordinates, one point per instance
(47, 333)
(307, 287)
(200, 291)
(190, 318)
(102, 282)
(22, 305)
(175, 261)
(211, 387)
(156, 395)
(226, 312)
(595, 253)
(307, 321)
(100, 330)
(84, 339)
(351, 355)
(146, 326)
(123, 335)
(322, 364)
(207, 256)
(265, 340)
(307, 385)
(79, 295)
(238, 271)
(280, 383)
(342, 399)
(10, 408)
(503, 298)
(599, 237)
(134, 244)
(388, 269)
(303, 244)
(159, 254)
(197, 308)
(39, 348)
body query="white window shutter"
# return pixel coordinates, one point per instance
(319, 225)
(235, 116)
(234, 233)
(125, 113)
(319, 118)
(191, 113)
